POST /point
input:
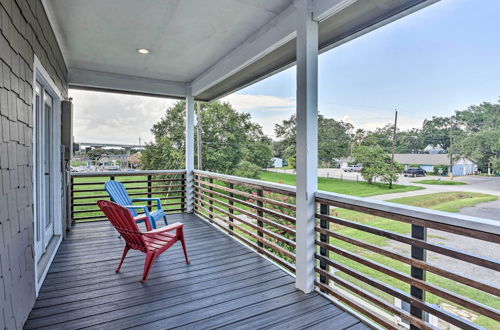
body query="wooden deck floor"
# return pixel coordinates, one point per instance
(225, 286)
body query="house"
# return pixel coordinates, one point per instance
(429, 162)
(277, 162)
(57, 256)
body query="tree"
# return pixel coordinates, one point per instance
(96, 153)
(377, 164)
(407, 142)
(480, 140)
(391, 172)
(334, 138)
(258, 149)
(483, 147)
(229, 138)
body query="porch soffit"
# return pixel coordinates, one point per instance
(213, 47)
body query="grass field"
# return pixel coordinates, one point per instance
(353, 188)
(441, 182)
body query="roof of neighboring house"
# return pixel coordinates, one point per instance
(103, 160)
(135, 158)
(422, 159)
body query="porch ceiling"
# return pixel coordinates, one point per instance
(216, 47)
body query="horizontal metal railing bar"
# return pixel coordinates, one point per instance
(132, 188)
(133, 194)
(131, 173)
(95, 183)
(99, 210)
(271, 245)
(474, 224)
(431, 308)
(277, 236)
(272, 212)
(421, 284)
(246, 241)
(94, 203)
(477, 260)
(357, 306)
(375, 300)
(101, 218)
(283, 188)
(410, 261)
(247, 195)
(250, 214)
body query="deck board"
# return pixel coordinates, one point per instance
(225, 286)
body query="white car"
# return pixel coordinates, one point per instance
(353, 168)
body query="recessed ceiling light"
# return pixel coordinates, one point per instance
(143, 51)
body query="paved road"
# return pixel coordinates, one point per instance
(479, 184)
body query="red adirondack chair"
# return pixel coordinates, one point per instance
(153, 242)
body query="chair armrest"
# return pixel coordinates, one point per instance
(145, 216)
(171, 227)
(158, 201)
(139, 207)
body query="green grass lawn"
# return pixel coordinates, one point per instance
(440, 182)
(353, 188)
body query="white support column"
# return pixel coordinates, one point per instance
(189, 151)
(307, 144)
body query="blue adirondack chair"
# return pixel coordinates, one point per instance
(119, 195)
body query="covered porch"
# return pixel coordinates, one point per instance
(242, 240)
(226, 286)
(264, 255)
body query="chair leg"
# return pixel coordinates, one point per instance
(148, 264)
(153, 222)
(148, 224)
(165, 219)
(125, 251)
(183, 242)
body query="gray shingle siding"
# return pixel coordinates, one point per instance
(24, 32)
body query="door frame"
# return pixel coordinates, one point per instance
(41, 75)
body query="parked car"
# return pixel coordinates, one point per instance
(414, 171)
(353, 168)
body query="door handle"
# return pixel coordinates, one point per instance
(46, 173)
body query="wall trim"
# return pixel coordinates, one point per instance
(41, 74)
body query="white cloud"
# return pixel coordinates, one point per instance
(118, 118)
(245, 102)
(373, 120)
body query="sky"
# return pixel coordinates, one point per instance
(440, 59)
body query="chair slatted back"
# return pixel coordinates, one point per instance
(118, 194)
(124, 223)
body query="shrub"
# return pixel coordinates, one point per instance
(247, 170)
(443, 166)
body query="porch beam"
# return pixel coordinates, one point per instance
(119, 83)
(189, 151)
(307, 144)
(270, 37)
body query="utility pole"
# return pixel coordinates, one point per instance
(449, 151)
(394, 134)
(198, 119)
(394, 139)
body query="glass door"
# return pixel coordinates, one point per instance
(44, 220)
(47, 142)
